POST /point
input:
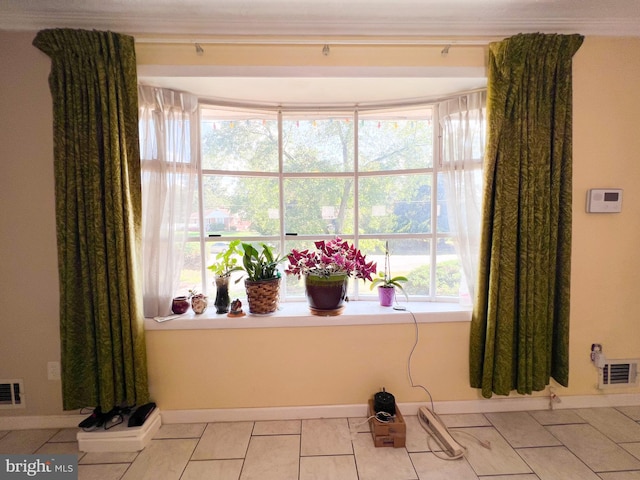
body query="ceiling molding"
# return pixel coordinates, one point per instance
(187, 25)
(314, 40)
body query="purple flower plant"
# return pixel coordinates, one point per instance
(333, 257)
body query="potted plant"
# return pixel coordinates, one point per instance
(263, 278)
(386, 283)
(327, 271)
(226, 263)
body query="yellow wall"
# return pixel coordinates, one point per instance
(319, 365)
(304, 366)
(29, 335)
(309, 55)
(605, 263)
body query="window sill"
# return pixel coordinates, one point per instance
(296, 314)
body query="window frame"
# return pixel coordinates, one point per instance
(359, 293)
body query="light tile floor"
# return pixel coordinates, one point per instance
(581, 444)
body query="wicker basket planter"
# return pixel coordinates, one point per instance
(263, 295)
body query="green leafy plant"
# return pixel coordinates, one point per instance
(260, 265)
(227, 260)
(385, 280)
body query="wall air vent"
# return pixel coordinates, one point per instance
(618, 373)
(11, 394)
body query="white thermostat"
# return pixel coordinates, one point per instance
(604, 200)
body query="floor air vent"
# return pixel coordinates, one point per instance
(11, 394)
(618, 373)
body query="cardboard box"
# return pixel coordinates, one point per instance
(387, 434)
(395, 441)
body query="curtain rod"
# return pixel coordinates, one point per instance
(316, 41)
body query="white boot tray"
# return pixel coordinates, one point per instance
(120, 438)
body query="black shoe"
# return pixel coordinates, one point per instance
(112, 418)
(93, 421)
(140, 415)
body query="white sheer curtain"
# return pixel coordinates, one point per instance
(168, 123)
(463, 122)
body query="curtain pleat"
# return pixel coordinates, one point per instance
(93, 83)
(520, 324)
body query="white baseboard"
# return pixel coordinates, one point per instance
(40, 421)
(360, 410)
(338, 411)
(262, 414)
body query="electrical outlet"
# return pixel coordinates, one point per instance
(53, 370)
(599, 360)
(597, 355)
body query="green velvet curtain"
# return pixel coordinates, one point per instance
(520, 324)
(93, 83)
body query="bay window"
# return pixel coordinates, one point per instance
(294, 176)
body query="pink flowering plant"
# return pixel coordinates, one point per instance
(335, 256)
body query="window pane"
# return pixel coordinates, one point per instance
(409, 258)
(395, 204)
(318, 206)
(448, 269)
(234, 205)
(295, 286)
(191, 274)
(470, 182)
(442, 212)
(395, 143)
(318, 145)
(239, 142)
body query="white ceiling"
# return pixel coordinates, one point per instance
(296, 92)
(328, 17)
(347, 19)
